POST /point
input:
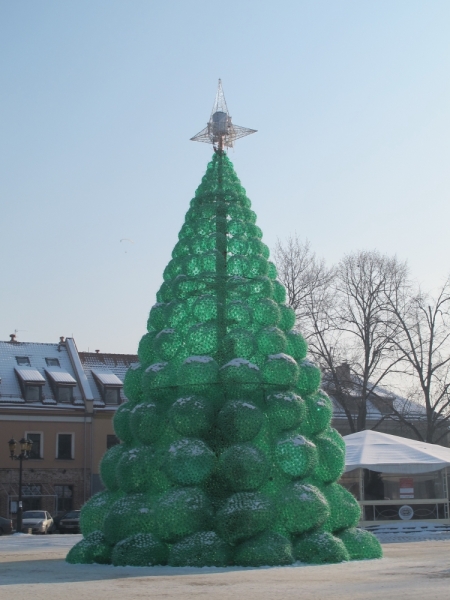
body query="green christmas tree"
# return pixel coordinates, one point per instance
(227, 455)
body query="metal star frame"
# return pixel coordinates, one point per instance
(220, 131)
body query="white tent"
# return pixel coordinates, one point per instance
(392, 454)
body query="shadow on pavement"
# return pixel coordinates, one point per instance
(23, 572)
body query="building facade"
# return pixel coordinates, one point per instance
(63, 401)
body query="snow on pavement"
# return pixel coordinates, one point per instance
(34, 566)
(23, 542)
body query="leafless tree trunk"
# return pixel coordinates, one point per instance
(364, 282)
(424, 347)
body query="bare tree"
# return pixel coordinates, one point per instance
(302, 274)
(364, 282)
(343, 313)
(424, 348)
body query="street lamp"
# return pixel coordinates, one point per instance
(25, 448)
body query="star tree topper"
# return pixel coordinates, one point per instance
(220, 131)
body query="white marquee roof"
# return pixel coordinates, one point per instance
(392, 454)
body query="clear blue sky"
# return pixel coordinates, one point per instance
(98, 100)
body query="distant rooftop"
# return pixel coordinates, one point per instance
(35, 374)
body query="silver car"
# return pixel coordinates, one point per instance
(39, 521)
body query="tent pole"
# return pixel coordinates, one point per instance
(447, 516)
(361, 493)
(361, 485)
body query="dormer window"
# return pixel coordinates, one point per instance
(31, 384)
(52, 362)
(62, 384)
(109, 386)
(23, 361)
(111, 395)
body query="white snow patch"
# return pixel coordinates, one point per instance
(306, 497)
(199, 359)
(183, 401)
(281, 356)
(308, 363)
(239, 362)
(298, 440)
(193, 448)
(156, 367)
(165, 331)
(411, 531)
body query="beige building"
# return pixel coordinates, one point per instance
(63, 401)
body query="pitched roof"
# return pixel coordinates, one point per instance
(379, 403)
(39, 356)
(28, 375)
(392, 454)
(109, 369)
(59, 364)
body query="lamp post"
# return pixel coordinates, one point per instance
(25, 448)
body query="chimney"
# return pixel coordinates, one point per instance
(62, 339)
(97, 351)
(13, 338)
(344, 374)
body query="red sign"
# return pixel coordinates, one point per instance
(406, 485)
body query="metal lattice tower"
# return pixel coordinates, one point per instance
(220, 131)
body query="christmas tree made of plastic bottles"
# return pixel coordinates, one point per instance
(227, 454)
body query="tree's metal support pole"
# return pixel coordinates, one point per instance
(221, 266)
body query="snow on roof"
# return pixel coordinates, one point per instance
(378, 403)
(51, 363)
(392, 454)
(61, 377)
(38, 354)
(117, 364)
(30, 375)
(108, 379)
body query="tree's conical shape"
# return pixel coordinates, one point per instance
(227, 453)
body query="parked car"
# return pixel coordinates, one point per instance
(70, 522)
(6, 526)
(56, 519)
(39, 521)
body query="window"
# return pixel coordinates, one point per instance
(31, 503)
(23, 361)
(64, 393)
(64, 495)
(52, 362)
(109, 386)
(111, 395)
(62, 384)
(31, 383)
(36, 449)
(64, 446)
(111, 440)
(33, 393)
(31, 497)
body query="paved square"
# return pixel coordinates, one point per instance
(33, 567)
